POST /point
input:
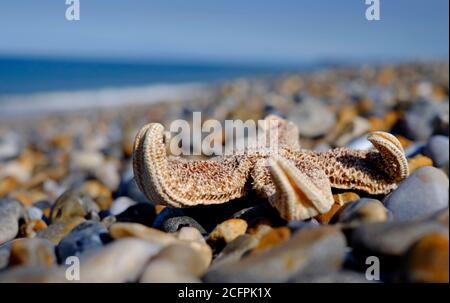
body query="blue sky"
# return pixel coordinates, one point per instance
(236, 30)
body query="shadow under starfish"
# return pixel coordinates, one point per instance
(297, 182)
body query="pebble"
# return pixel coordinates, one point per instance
(437, 149)
(72, 204)
(34, 213)
(308, 251)
(421, 194)
(272, 238)
(120, 204)
(32, 252)
(97, 192)
(228, 230)
(26, 274)
(418, 161)
(57, 231)
(362, 211)
(417, 123)
(301, 224)
(10, 213)
(339, 200)
(167, 213)
(108, 174)
(192, 237)
(427, 261)
(4, 256)
(234, 250)
(83, 160)
(175, 263)
(119, 261)
(143, 213)
(312, 118)
(136, 230)
(261, 213)
(129, 188)
(176, 223)
(9, 145)
(31, 227)
(391, 238)
(84, 237)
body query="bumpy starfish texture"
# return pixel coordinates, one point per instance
(297, 182)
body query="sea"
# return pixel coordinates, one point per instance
(31, 85)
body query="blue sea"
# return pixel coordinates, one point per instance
(30, 86)
(32, 75)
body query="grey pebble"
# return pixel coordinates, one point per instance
(421, 194)
(438, 150)
(84, 237)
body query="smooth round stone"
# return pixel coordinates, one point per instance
(186, 261)
(312, 118)
(32, 252)
(86, 236)
(194, 239)
(28, 274)
(83, 160)
(4, 254)
(108, 174)
(161, 271)
(34, 213)
(31, 227)
(129, 188)
(392, 238)
(117, 262)
(120, 204)
(362, 211)
(10, 213)
(136, 230)
(98, 192)
(301, 224)
(309, 251)
(57, 231)
(234, 250)
(143, 213)
(263, 212)
(275, 236)
(228, 230)
(421, 194)
(427, 261)
(437, 149)
(9, 145)
(176, 223)
(165, 214)
(360, 143)
(72, 204)
(418, 122)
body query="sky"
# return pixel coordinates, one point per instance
(233, 30)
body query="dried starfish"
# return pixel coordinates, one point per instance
(296, 181)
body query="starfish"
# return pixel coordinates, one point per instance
(296, 181)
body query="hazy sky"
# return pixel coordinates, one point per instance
(242, 30)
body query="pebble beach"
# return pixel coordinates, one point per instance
(67, 187)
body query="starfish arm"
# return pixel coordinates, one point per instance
(180, 182)
(374, 171)
(286, 133)
(297, 190)
(299, 194)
